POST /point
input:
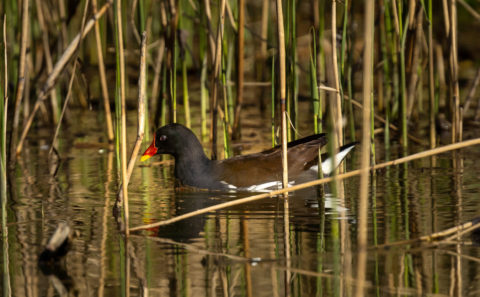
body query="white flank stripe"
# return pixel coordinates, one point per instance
(228, 185)
(267, 187)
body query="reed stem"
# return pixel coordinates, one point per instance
(3, 162)
(48, 58)
(20, 80)
(240, 68)
(366, 143)
(120, 100)
(431, 82)
(103, 78)
(283, 87)
(214, 84)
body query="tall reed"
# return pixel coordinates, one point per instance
(121, 108)
(240, 67)
(103, 78)
(21, 77)
(366, 142)
(3, 163)
(431, 82)
(215, 76)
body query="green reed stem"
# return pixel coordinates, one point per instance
(431, 82)
(344, 41)
(292, 88)
(227, 115)
(141, 12)
(228, 75)
(173, 81)
(204, 98)
(385, 34)
(163, 96)
(320, 64)
(313, 81)
(186, 102)
(404, 87)
(183, 55)
(120, 101)
(351, 114)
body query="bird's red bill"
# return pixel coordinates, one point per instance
(150, 152)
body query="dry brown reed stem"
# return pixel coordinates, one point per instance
(431, 85)
(471, 92)
(211, 39)
(283, 91)
(21, 78)
(395, 18)
(103, 78)
(140, 118)
(123, 119)
(264, 29)
(457, 231)
(63, 21)
(57, 69)
(417, 47)
(383, 121)
(214, 84)
(424, 154)
(141, 106)
(70, 84)
(3, 142)
(157, 71)
(468, 8)
(48, 58)
(366, 138)
(231, 18)
(454, 73)
(337, 106)
(131, 12)
(240, 74)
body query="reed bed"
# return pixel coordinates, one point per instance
(406, 63)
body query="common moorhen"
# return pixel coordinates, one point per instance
(254, 172)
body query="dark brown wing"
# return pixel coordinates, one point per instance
(266, 166)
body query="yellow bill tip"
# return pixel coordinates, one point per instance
(144, 158)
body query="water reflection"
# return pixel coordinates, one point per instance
(239, 250)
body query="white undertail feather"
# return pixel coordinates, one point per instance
(327, 167)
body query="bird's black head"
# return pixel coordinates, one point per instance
(173, 139)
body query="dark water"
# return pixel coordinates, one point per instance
(238, 251)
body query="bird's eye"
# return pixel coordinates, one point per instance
(163, 138)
